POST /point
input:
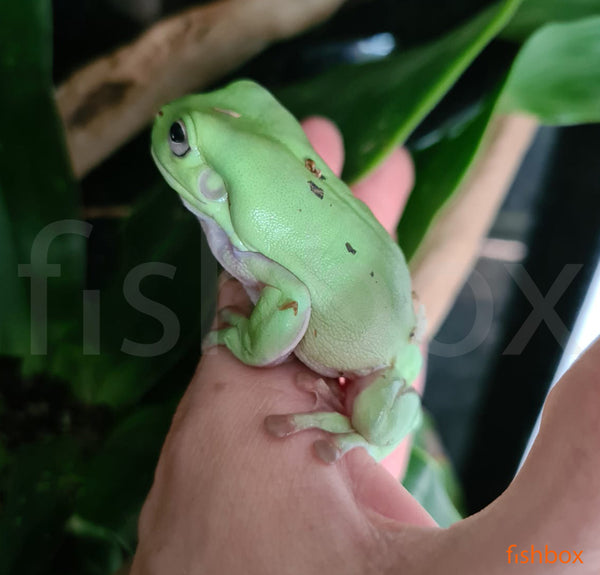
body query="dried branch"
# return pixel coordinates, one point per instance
(106, 103)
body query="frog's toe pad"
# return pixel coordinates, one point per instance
(327, 451)
(280, 425)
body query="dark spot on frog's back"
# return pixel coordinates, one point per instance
(104, 96)
(350, 248)
(311, 166)
(372, 274)
(316, 190)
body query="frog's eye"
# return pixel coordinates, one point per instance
(178, 140)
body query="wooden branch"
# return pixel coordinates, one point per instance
(106, 103)
(446, 256)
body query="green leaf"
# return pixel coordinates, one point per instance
(14, 315)
(425, 481)
(430, 478)
(378, 104)
(153, 309)
(36, 191)
(532, 14)
(40, 491)
(556, 75)
(118, 478)
(439, 169)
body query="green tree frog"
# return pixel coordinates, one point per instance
(327, 281)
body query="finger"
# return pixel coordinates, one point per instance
(386, 189)
(381, 493)
(555, 499)
(563, 468)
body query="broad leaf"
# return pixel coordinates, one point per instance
(38, 197)
(377, 105)
(430, 478)
(425, 480)
(439, 170)
(556, 75)
(532, 14)
(39, 493)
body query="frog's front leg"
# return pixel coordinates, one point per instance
(277, 322)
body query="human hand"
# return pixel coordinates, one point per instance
(228, 498)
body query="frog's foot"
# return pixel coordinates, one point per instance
(287, 424)
(342, 437)
(383, 414)
(273, 329)
(327, 395)
(379, 427)
(227, 316)
(386, 411)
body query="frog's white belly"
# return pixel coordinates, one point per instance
(225, 253)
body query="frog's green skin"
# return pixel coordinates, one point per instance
(328, 282)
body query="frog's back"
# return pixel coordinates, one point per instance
(308, 221)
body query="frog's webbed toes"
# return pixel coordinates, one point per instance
(226, 316)
(230, 317)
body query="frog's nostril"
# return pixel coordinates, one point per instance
(160, 113)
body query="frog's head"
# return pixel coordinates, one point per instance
(177, 152)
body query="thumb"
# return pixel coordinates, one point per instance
(555, 499)
(560, 480)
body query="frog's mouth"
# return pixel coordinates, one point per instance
(188, 199)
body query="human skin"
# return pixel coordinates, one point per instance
(229, 498)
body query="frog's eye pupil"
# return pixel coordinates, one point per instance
(177, 133)
(178, 141)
